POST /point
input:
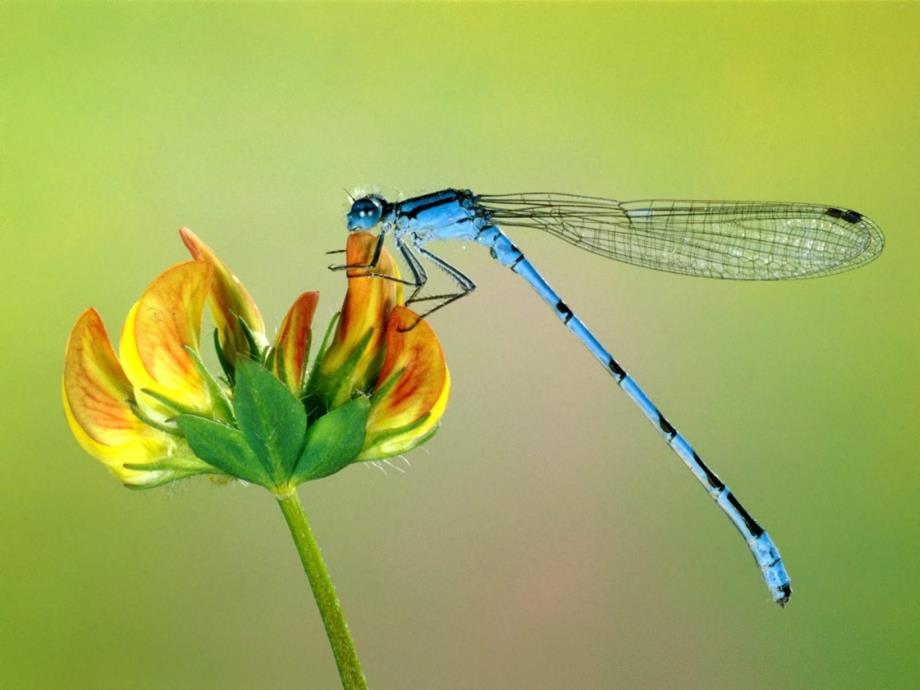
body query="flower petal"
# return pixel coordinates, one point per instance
(96, 396)
(229, 300)
(406, 409)
(160, 329)
(293, 342)
(367, 303)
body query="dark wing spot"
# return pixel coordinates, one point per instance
(844, 214)
(852, 216)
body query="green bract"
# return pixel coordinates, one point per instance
(271, 444)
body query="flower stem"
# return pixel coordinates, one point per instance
(346, 659)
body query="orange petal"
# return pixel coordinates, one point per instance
(159, 329)
(228, 300)
(96, 395)
(292, 342)
(367, 303)
(422, 388)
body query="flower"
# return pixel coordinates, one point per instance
(233, 309)
(160, 340)
(291, 348)
(155, 414)
(412, 388)
(99, 404)
(383, 348)
(353, 359)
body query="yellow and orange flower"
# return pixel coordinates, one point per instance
(292, 343)
(99, 403)
(382, 347)
(353, 359)
(232, 307)
(142, 413)
(161, 337)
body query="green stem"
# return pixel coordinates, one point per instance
(324, 593)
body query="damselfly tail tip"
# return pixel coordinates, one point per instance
(783, 595)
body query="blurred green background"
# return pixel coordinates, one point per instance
(546, 538)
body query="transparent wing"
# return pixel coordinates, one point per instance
(742, 240)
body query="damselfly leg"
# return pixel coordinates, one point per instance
(465, 283)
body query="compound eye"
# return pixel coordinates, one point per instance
(365, 213)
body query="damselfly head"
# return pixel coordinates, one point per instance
(365, 212)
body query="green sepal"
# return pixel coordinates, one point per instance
(398, 431)
(183, 462)
(387, 385)
(304, 366)
(222, 408)
(178, 467)
(331, 391)
(282, 369)
(327, 336)
(424, 438)
(272, 355)
(150, 421)
(333, 441)
(168, 402)
(173, 476)
(271, 419)
(225, 448)
(225, 363)
(312, 398)
(255, 350)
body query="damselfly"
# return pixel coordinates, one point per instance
(742, 240)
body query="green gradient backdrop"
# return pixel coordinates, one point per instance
(547, 538)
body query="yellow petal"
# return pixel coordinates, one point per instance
(419, 393)
(368, 302)
(159, 329)
(228, 300)
(96, 395)
(292, 342)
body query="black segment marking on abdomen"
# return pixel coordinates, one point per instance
(755, 529)
(711, 478)
(564, 311)
(666, 427)
(786, 590)
(618, 371)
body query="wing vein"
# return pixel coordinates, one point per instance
(741, 240)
